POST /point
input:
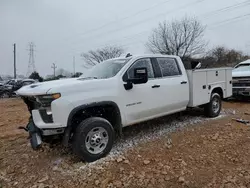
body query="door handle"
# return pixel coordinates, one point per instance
(156, 86)
(184, 82)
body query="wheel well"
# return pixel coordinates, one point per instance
(219, 91)
(109, 112)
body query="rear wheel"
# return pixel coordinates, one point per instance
(93, 139)
(213, 108)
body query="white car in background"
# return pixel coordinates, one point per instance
(241, 79)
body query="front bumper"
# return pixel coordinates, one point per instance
(45, 128)
(241, 91)
(42, 122)
(37, 135)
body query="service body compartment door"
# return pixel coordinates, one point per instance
(229, 89)
(216, 76)
(198, 88)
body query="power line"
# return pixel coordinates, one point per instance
(147, 19)
(142, 21)
(151, 18)
(230, 20)
(124, 18)
(225, 9)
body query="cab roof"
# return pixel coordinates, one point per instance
(245, 62)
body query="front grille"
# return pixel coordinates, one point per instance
(241, 81)
(241, 84)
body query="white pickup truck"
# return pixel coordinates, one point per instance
(241, 79)
(89, 110)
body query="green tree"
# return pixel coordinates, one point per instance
(77, 74)
(35, 75)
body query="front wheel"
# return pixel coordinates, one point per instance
(6, 95)
(93, 139)
(213, 108)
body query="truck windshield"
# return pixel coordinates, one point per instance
(242, 67)
(105, 69)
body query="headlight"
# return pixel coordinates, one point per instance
(46, 100)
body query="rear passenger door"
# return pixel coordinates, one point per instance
(173, 92)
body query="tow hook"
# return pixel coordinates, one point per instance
(23, 128)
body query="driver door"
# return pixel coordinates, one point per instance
(139, 103)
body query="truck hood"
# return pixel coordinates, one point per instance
(240, 73)
(60, 86)
(42, 88)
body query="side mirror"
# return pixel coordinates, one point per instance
(141, 76)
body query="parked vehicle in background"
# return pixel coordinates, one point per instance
(9, 88)
(241, 79)
(1, 88)
(89, 110)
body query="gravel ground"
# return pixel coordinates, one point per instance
(175, 151)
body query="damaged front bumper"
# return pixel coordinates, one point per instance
(41, 126)
(37, 135)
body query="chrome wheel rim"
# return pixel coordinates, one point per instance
(96, 140)
(216, 105)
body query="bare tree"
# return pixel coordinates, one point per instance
(227, 57)
(219, 53)
(222, 56)
(92, 57)
(179, 37)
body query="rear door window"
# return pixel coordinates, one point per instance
(169, 67)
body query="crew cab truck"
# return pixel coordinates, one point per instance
(88, 111)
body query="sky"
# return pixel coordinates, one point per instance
(61, 29)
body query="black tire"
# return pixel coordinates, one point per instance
(81, 136)
(209, 109)
(6, 95)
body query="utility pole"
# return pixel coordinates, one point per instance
(74, 69)
(31, 64)
(14, 60)
(54, 68)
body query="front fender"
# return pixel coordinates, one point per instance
(61, 109)
(73, 112)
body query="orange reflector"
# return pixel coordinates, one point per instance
(56, 95)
